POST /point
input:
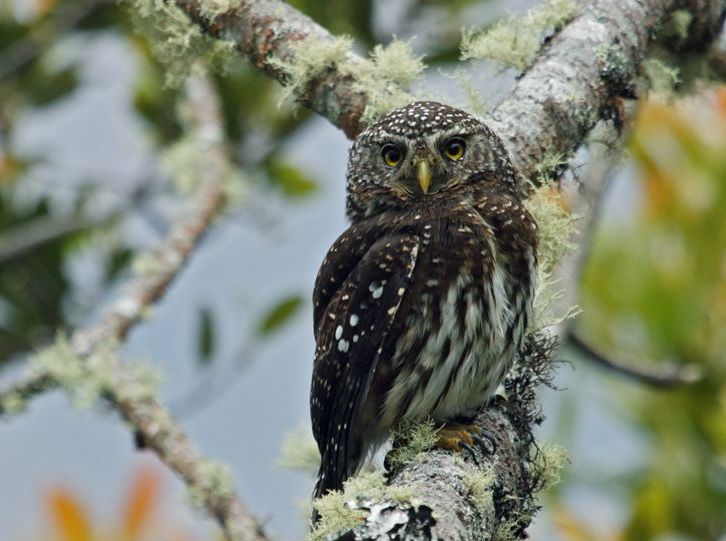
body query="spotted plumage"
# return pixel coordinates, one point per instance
(421, 306)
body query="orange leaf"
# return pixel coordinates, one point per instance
(140, 502)
(43, 7)
(721, 100)
(68, 517)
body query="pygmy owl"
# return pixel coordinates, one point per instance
(422, 304)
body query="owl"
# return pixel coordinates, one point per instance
(422, 304)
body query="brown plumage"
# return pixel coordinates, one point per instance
(422, 304)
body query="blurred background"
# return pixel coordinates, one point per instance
(89, 119)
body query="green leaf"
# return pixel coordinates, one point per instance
(206, 340)
(292, 181)
(279, 315)
(43, 87)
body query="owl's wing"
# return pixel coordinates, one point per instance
(351, 331)
(342, 258)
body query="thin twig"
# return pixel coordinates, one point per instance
(661, 375)
(28, 236)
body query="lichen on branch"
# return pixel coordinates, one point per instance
(515, 40)
(384, 77)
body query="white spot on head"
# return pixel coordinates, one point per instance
(377, 292)
(353, 320)
(338, 332)
(343, 345)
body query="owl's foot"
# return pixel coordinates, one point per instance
(465, 437)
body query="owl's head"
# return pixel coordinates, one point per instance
(422, 150)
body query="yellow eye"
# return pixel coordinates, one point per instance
(454, 148)
(392, 154)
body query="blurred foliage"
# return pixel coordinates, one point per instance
(33, 284)
(139, 514)
(31, 287)
(279, 314)
(656, 287)
(207, 339)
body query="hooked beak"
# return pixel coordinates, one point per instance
(423, 172)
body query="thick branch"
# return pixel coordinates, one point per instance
(590, 63)
(265, 30)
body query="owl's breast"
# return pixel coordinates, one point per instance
(448, 350)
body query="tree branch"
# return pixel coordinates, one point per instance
(267, 31)
(591, 62)
(28, 236)
(661, 375)
(551, 109)
(152, 423)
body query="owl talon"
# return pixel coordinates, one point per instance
(468, 437)
(453, 436)
(469, 450)
(485, 440)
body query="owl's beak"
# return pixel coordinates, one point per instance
(423, 172)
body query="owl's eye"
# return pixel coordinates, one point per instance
(392, 154)
(454, 148)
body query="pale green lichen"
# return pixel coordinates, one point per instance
(551, 461)
(678, 24)
(175, 41)
(556, 228)
(480, 485)
(184, 164)
(136, 381)
(12, 403)
(661, 77)
(211, 9)
(475, 103)
(396, 63)
(335, 516)
(299, 451)
(384, 77)
(310, 57)
(214, 482)
(87, 379)
(66, 368)
(188, 165)
(344, 510)
(515, 40)
(506, 530)
(549, 165)
(411, 439)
